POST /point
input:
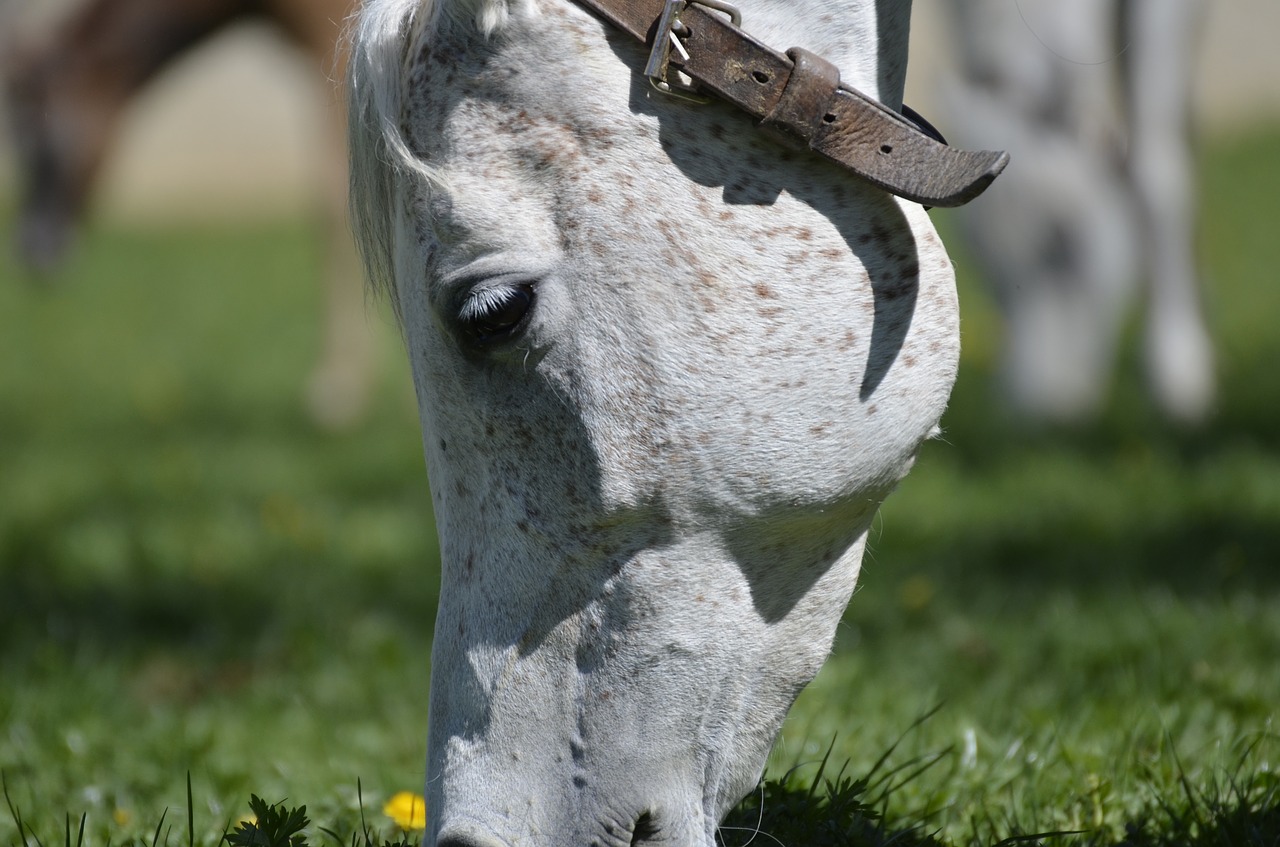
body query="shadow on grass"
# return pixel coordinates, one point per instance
(1244, 825)
(847, 812)
(1191, 555)
(213, 532)
(1129, 500)
(837, 810)
(284, 601)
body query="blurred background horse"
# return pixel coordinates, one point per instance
(68, 91)
(1093, 100)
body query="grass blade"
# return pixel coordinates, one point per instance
(155, 839)
(191, 815)
(364, 826)
(13, 810)
(884, 757)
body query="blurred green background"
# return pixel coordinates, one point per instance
(195, 579)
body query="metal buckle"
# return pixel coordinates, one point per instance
(667, 36)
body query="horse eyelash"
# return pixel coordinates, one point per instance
(483, 300)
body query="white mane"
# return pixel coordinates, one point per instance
(380, 40)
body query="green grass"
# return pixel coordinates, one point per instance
(193, 580)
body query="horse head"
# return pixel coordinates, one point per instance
(667, 370)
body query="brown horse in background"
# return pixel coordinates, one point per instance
(68, 91)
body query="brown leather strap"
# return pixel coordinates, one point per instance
(799, 116)
(798, 98)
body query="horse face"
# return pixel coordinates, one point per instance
(666, 374)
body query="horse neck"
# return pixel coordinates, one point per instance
(866, 39)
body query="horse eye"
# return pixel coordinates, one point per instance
(493, 314)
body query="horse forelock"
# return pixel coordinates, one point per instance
(383, 38)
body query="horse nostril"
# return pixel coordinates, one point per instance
(461, 841)
(645, 832)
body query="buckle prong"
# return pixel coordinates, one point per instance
(667, 36)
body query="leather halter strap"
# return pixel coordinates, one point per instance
(799, 100)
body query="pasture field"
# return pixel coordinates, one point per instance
(1059, 631)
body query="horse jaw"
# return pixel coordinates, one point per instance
(653, 500)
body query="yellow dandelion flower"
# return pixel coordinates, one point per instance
(122, 817)
(408, 810)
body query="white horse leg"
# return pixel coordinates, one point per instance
(1179, 351)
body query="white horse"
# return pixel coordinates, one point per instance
(667, 371)
(1092, 97)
